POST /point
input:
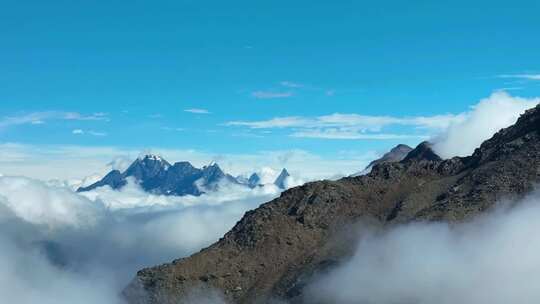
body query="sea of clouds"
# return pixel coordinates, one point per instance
(494, 259)
(59, 246)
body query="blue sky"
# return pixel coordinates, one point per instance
(213, 76)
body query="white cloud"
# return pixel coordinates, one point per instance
(278, 122)
(97, 133)
(271, 94)
(36, 118)
(352, 133)
(197, 111)
(290, 84)
(454, 134)
(491, 114)
(25, 198)
(58, 246)
(521, 76)
(353, 126)
(62, 162)
(89, 132)
(362, 122)
(492, 260)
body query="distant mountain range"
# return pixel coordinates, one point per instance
(155, 175)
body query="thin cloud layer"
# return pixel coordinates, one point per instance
(355, 126)
(197, 111)
(271, 94)
(521, 76)
(36, 118)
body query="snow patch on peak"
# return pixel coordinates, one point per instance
(150, 156)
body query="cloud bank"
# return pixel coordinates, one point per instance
(493, 259)
(500, 110)
(58, 246)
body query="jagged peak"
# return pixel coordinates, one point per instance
(284, 172)
(280, 180)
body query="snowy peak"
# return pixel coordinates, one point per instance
(212, 174)
(151, 157)
(147, 167)
(155, 175)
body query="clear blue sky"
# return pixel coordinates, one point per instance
(123, 73)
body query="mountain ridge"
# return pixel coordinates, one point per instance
(156, 175)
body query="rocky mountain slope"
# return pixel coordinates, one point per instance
(273, 251)
(154, 174)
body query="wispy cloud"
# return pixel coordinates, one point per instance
(351, 126)
(173, 129)
(521, 76)
(36, 118)
(353, 134)
(78, 116)
(290, 84)
(271, 94)
(274, 123)
(97, 133)
(90, 132)
(197, 111)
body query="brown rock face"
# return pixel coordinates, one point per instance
(273, 250)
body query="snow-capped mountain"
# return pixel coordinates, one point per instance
(155, 175)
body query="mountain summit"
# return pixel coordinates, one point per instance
(396, 154)
(155, 175)
(277, 249)
(281, 180)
